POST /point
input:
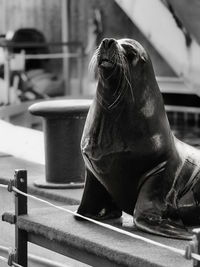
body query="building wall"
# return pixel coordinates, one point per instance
(116, 24)
(78, 20)
(44, 15)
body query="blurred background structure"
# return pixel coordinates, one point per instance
(45, 46)
(45, 50)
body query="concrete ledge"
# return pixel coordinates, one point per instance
(94, 245)
(21, 142)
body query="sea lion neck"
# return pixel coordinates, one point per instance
(145, 89)
(110, 91)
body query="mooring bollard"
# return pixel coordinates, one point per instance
(63, 122)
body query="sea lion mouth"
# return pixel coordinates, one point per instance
(105, 63)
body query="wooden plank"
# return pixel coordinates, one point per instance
(69, 251)
(85, 241)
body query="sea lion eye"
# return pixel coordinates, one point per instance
(129, 52)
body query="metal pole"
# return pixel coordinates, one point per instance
(80, 70)
(65, 37)
(21, 237)
(7, 74)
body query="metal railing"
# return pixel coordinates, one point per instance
(78, 55)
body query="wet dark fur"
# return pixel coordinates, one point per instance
(133, 161)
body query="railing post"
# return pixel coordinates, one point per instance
(7, 74)
(80, 64)
(21, 239)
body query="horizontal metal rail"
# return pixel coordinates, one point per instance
(10, 44)
(182, 109)
(175, 85)
(52, 56)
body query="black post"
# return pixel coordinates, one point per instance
(195, 245)
(21, 239)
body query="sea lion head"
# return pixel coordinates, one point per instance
(122, 65)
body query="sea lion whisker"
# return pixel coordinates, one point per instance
(126, 73)
(112, 73)
(93, 61)
(116, 100)
(121, 79)
(93, 65)
(131, 89)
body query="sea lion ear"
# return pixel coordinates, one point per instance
(135, 60)
(143, 57)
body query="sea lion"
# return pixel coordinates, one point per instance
(133, 161)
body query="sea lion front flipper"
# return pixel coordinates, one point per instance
(152, 215)
(96, 202)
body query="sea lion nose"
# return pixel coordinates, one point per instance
(108, 42)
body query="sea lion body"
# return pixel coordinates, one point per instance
(133, 161)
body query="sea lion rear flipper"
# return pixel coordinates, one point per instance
(152, 215)
(96, 202)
